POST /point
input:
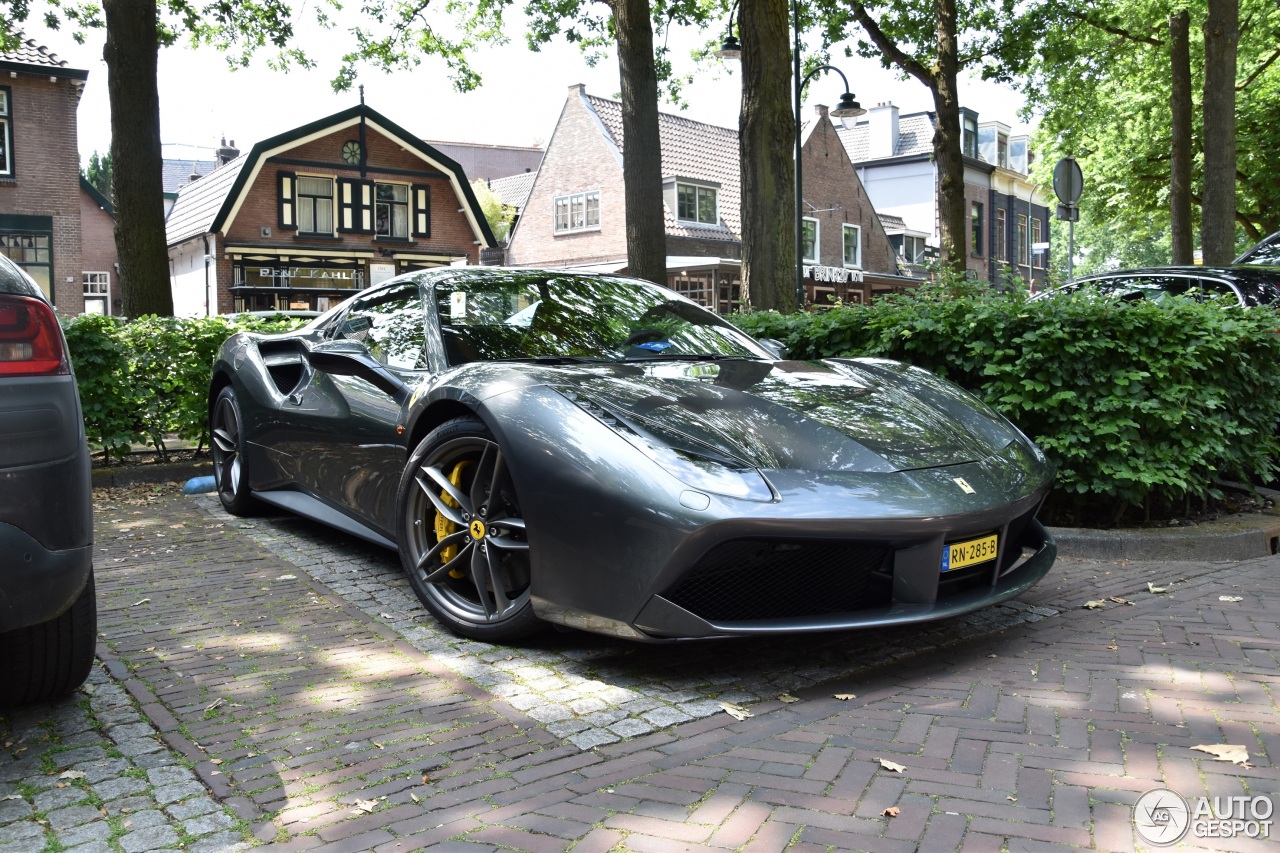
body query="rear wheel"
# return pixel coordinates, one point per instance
(226, 444)
(49, 660)
(462, 535)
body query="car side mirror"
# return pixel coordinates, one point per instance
(775, 348)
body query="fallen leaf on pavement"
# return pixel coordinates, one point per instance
(844, 697)
(415, 798)
(736, 711)
(1118, 600)
(1233, 752)
(215, 703)
(892, 811)
(366, 806)
(1012, 799)
(143, 601)
(1114, 648)
(215, 760)
(891, 765)
(1094, 605)
(1156, 589)
(72, 774)
(287, 578)
(787, 698)
(1231, 598)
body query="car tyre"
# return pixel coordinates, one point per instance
(49, 660)
(462, 536)
(226, 445)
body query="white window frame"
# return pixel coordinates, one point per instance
(698, 191)
(1037, 235)
(92, 281)
(408, 210)
(817, 241)
(333, 204)
(856, 230)
(570, 200)
(6, 132)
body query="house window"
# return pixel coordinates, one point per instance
(391, 210)
(315, 205)
(97, 292)
(970, 136)
(31, 252)
(852, 246)
(977, 229)
(6, 134)
(1002, 236)
(1002, 150)
(809, 240)
(1023, 257)
(1037, 257)
(696, 204)
(577, 212)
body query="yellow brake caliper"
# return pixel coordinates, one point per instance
(444, 526)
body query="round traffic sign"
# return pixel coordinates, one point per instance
(1068, 180)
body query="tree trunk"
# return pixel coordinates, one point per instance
(767, 138)
(1180, 159)
(946, 142)
(642, 149)
(131, 54)
(1218, 211)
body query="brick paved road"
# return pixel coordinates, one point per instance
(322, 715)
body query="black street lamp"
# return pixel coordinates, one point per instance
(847, 108)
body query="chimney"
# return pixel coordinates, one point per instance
(195, 174)
(820, 110)
(226, 153)
(882, 131)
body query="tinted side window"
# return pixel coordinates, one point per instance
(391, 324)
(1151, 287)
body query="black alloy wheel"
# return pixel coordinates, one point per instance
(226, 444)
(462, 537)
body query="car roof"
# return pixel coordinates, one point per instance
(1258, 284)
(14, 280)
(1265, 243)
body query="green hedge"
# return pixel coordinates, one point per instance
(145, 379)
(1136, 404)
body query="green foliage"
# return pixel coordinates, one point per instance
(98, 173)
(144, 380)
(498, 215)
(1133, 403)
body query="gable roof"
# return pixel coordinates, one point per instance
(224, 196)
(690, 149)
(514, 190)
(199, 203)
(37, 59)
(98, 198)
(915, 137)
(175, 173)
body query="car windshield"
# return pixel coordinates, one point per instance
(573, 318)
(1266, 252)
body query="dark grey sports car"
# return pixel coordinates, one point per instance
(599, 452)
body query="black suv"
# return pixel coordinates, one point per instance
(1248, 286)
(48, 614)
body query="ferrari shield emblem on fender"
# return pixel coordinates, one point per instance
(964, 487)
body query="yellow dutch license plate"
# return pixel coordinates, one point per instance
(960, 554)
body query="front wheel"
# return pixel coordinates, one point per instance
(462, 535)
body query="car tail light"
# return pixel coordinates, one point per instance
(30, 341)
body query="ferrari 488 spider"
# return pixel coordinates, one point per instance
(599, 452)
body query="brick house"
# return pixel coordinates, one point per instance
(52, 223)
(307, 217)
(574, 216)
(894, 156)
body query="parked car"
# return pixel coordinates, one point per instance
(1266, 252)
(1245, 285)
(602, 453)
(48, 613)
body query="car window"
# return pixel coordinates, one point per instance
(1134, 287)
(1217, 287)
(391, 324)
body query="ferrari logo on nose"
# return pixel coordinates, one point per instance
(964, 487)
(477, 529)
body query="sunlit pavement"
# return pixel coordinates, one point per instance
(290, 674)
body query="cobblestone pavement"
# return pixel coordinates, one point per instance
(291, 672)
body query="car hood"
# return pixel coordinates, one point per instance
(840, 414)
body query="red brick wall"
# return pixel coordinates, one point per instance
(46, 179)
(831, 185)
(98, 243)
(578, 159)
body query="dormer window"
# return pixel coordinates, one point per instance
(1002, 150)
(970, 134)
(693, 202)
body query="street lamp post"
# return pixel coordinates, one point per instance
(847, 108)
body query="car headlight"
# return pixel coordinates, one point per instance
(693, 463)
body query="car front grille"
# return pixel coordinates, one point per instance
(749, 579)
